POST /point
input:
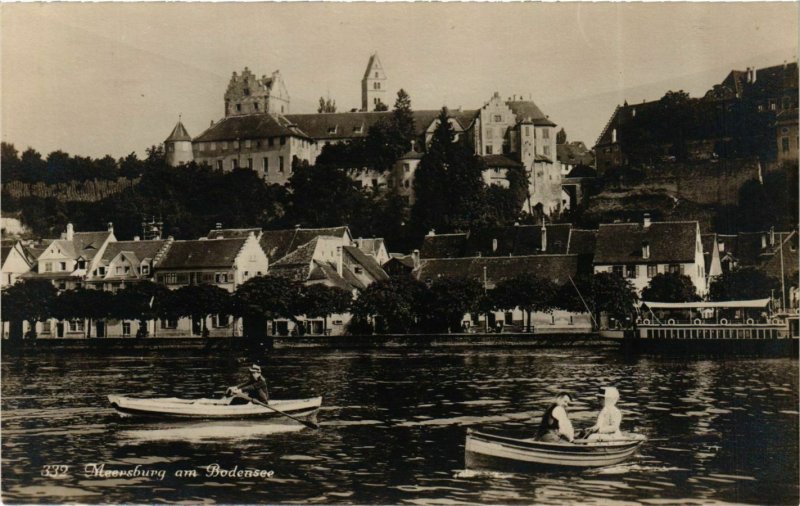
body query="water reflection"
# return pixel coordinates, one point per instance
(393, 427)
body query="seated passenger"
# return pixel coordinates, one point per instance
(555, 426)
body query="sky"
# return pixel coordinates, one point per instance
(96, 79)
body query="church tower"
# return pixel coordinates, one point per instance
(178, 146)
(373, 85)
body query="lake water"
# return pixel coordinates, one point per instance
(393, 425)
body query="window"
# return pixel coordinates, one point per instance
(48, 267)
(546, 148)
(374, 183)
(247, 144)
(772, 104)
(62, 285)
(675, 268)
(119, 270)
(376, 75)
(127, 269)
(545, 133)
(358, 270)
(235, 144)
(255, 105)
(406, 167)
(76, 325)
(219, 164)
(101, 271)
(332, 129)
(62, 266)
(126, 329)
(617, 269)
(785, 144)
(377, 86)
(509, 318)
(220, 320)
(145, 269)
(407, 183)
(630, 271)
(266, 165)
(221, 277)
(234, 164)
(247, 92)
(652, 270)
(527, 130)
(238, 107)
(358, 129)
(212, 146)
(271, 141)
(169, 323)
(224, 145)
(489, 150)
(283, 141)
(498, 118)
(171, 147)
(280, 164)
(250, 163)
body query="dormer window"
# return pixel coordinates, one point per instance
(358, 129)
(332, 129)
(101, 271)
(81, 264)
(145, 269)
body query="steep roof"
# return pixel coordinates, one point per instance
(179, 133)
(250, 126)
(582, 242)
(87, 244)
(5, 249)
(300, 256)
(372, 59)
(367, 262)
(202, 253)
(142, 249)
(279, 243)
(669, 241)
(557, 268)
(442, 245)
(500, 161)
(575, 153)
(582, 171)
(230, 233)
(525, 109)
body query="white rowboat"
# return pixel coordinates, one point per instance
(173, 407)
(489, 451)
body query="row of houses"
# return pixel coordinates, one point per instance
(635, 251)
(226, 258)
(229, 257)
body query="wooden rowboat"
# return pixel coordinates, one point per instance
(489, 451)
(172, 407)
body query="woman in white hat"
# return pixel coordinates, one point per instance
(610, 417)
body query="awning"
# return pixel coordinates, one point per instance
(757, 303)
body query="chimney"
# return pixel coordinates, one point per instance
(646, 220)
(219, 226)
(415, 257)
(70, 232)
(136, 238)
(544, 237)
(110, 227)
(645, 249)
(763, 241)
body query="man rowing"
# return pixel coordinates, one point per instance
(255, 387)
(555, 426)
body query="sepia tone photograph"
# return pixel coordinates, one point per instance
(399, 253)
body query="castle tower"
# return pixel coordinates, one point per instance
(374, 85)
(178, 146)
(247, 94)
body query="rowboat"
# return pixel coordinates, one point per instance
(173, 407)
(490, 451)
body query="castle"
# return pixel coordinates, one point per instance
(258, 132)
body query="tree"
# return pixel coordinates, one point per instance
(29, 300)
(612, 294)
(670, 287)
(448, 184)
(143, 301)
(527, 291)
(315, 189)
(321, 301)
(267, 298)
(451, 299)
(742, 284)
(83, 303)
(200, 301)
(403, 118)
(561, 137)
(381, 107)
(326, 105)
(397, 304)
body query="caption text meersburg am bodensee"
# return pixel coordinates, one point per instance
(209, 471)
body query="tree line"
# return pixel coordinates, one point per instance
(398, 305)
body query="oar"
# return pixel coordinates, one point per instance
(309, 424)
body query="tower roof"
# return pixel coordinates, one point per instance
(373, 60)
(179, 133)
